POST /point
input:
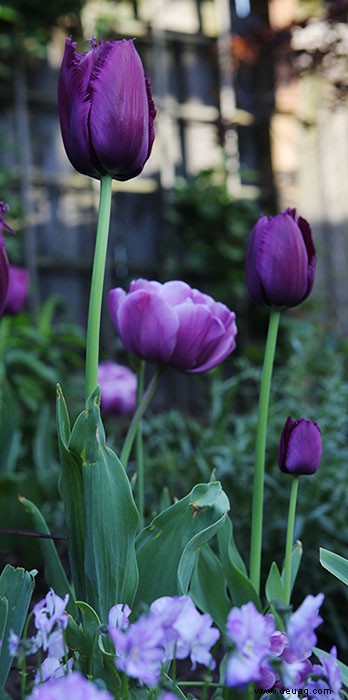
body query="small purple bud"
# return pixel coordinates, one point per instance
(118, 388)
(4, 263)
(300, 447)
(18, 288)
(106, 109)
(280, 261)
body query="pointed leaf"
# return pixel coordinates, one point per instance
(16, 586)
(208, 586)
(274, 585)
(337, 565)
(167, 549)
(240, 587)
(54, 571)
(296, 556)
(110, 514)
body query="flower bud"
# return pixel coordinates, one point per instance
(280, 261)
(18, 288)
(118, 386)
(106, 109)
(173, 324)
(300, 447)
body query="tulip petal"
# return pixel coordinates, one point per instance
(175, 292)
(120, 112)
(223, 347)
(282, 262)
(115, 298)
(74, 108)
(148, 326)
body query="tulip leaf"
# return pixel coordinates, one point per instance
(54, 570)
(208, 586)
(16, 588)
(105, 513)
(239, 585)
(274, 585)
(337, 565)
(71, 491)
(168, 547)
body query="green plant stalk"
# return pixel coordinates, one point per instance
(96, 293)
(259, 475)
(290, 538)
(139, 446)
(133, 427)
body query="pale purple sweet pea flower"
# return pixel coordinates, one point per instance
(173, 324)
(301, 625)
(49, 613)
(72, 686)
(118, 388)
(186, 631)
(51, 668)
(13, 642)
(139, 649)
(300, 447)
(118, 616)
(106, 110)
(330, 677)
(18, 289)
(280, 260)
(251, 633)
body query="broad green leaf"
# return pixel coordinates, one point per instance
(3, 616)
(168, 547)
(54, 571)
(16, 586)
(71, 491)
(239, 585)
(274, 585)
(337, 565)
(110, 516)
(208, 586)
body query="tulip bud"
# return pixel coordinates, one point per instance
(118, 386)
(280, 261)
(173, 324)
(106, 109)
(300, 447)
(18, 288)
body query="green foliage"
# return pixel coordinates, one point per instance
(210, 234)
(16, 588)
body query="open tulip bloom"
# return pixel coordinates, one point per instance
(143, 597)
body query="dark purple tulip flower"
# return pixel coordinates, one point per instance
(106, 110)
(118, 387)
(4, 264)
(18, 288)
(173, 324)
(280, 261)
(300, 447)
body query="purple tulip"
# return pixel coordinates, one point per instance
(173, 324)
(4, 264)
(106, 109)
(280, 262)
(300, 447)
(118, 386)
(18, 288)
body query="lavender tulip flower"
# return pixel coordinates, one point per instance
(106, 109)
(118, 386)
(300, 447)
(280, 262)
(18, 288)
(173, 324)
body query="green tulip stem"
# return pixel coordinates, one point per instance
(139, 447)
(133, 427)
(259, 475)
(290, 538)
(96, 293)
